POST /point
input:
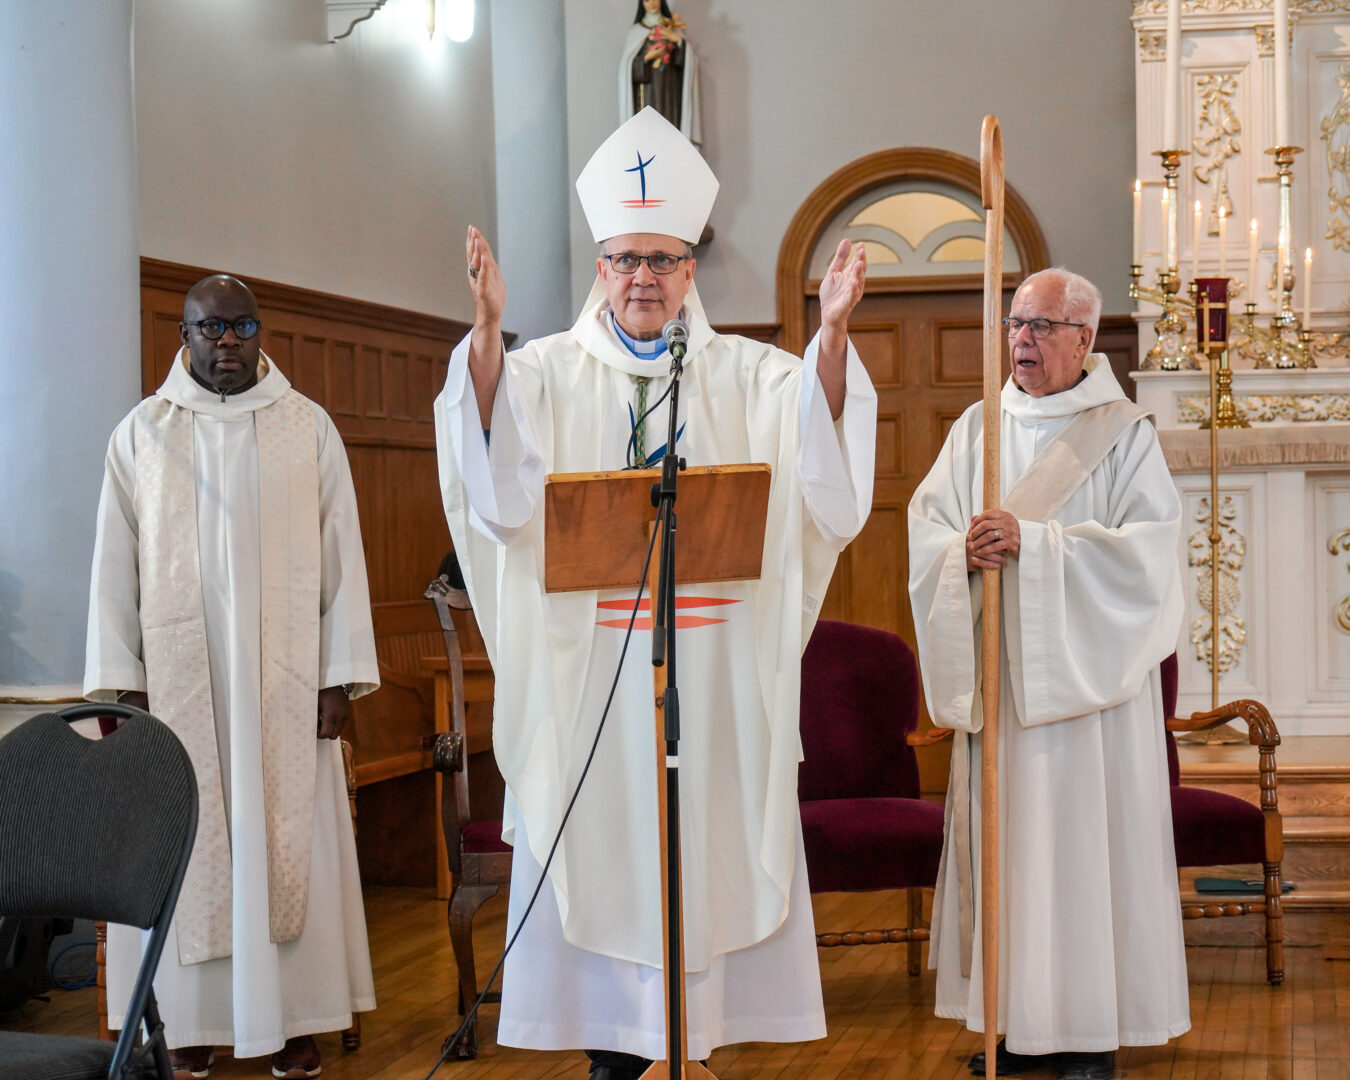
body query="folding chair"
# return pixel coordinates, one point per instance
(95, 829)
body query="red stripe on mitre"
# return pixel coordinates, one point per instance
(680, 602)
(682, 622)
(637, 204)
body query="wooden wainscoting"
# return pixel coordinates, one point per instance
(1118, 337)
(377, 370)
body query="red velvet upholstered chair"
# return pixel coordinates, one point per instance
(864, 825)
(1211, 828)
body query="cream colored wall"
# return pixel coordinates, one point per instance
(794, 89)
(352, 168)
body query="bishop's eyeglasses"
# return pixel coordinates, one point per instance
(627, 262)
(1040, 328)
(213, 329)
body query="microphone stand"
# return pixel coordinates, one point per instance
(664, 493)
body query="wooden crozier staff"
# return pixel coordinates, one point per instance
(991, 194)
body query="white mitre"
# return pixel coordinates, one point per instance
(647, 178)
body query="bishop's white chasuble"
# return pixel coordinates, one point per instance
(229, 581)
(1091, 952)
(586, 972)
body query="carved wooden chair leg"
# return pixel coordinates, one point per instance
(465, 900)
(351, 1038)
(101, 978)
(915, 946)
(1274, 925)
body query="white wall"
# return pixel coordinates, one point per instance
(530, 112)
(794, 89)
(69, 314)
(352, 168)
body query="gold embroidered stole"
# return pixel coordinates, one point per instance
(174, 644)
(1061, 468)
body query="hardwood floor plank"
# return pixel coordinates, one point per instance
(880, 1022)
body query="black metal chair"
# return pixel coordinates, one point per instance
(95, 829)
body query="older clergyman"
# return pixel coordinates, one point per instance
(229, 597)
(584, 972)
(1092, 954)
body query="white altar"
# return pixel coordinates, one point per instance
(1284, 501)
(1284, 594)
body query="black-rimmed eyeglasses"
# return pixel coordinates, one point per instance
(213, 329)
(627, 262)
(1039, 327)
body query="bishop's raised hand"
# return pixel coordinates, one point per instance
(842, 286)
(485, 279)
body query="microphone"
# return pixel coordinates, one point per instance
(676, 334)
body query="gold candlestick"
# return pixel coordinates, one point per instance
(1171, 352)
(1285, 345)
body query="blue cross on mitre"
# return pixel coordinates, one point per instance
(640, 168)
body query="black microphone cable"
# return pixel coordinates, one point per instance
(452, 1041)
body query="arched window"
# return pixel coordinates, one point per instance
(913, 228)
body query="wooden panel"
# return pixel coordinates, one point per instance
(958, 353)
(1118, 337)
(882, 548)
(890, 446)
(945, 419)
(878, 346)
(342, 380)
(769, 333)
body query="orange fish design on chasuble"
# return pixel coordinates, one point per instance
(682, 622)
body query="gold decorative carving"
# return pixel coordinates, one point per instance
(1152, 45)
(1336, 136)
(1265, 40)
(1159, 7)
(1270, 408)
(1232, 554)
(1342, 541)
(1219, 7)
(1217, 126)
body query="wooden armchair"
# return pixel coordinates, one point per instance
(480, 862)
(864, 825)
(1211, 828)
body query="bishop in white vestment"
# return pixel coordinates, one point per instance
(1091, 945)
(229, 585)
(586, 970)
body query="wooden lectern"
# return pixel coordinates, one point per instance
(597, 535)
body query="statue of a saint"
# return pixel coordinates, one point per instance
(657, 68)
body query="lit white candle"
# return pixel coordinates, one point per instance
(1282, 73)
(1223, 243)
(1138, 222)
(1172, 91)
(1253, 251)
(1166, 257)
(1307, 289)
(1195, 242)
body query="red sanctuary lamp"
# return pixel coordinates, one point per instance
(1211, 331)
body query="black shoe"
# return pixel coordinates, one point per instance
(1079, 1066)
(1007, 1063)
(612, 1065)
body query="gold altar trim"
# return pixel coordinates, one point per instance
(1270, 408)
(1188, 450)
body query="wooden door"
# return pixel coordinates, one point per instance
(923, 351)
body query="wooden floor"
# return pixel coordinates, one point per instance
(881, 1022)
